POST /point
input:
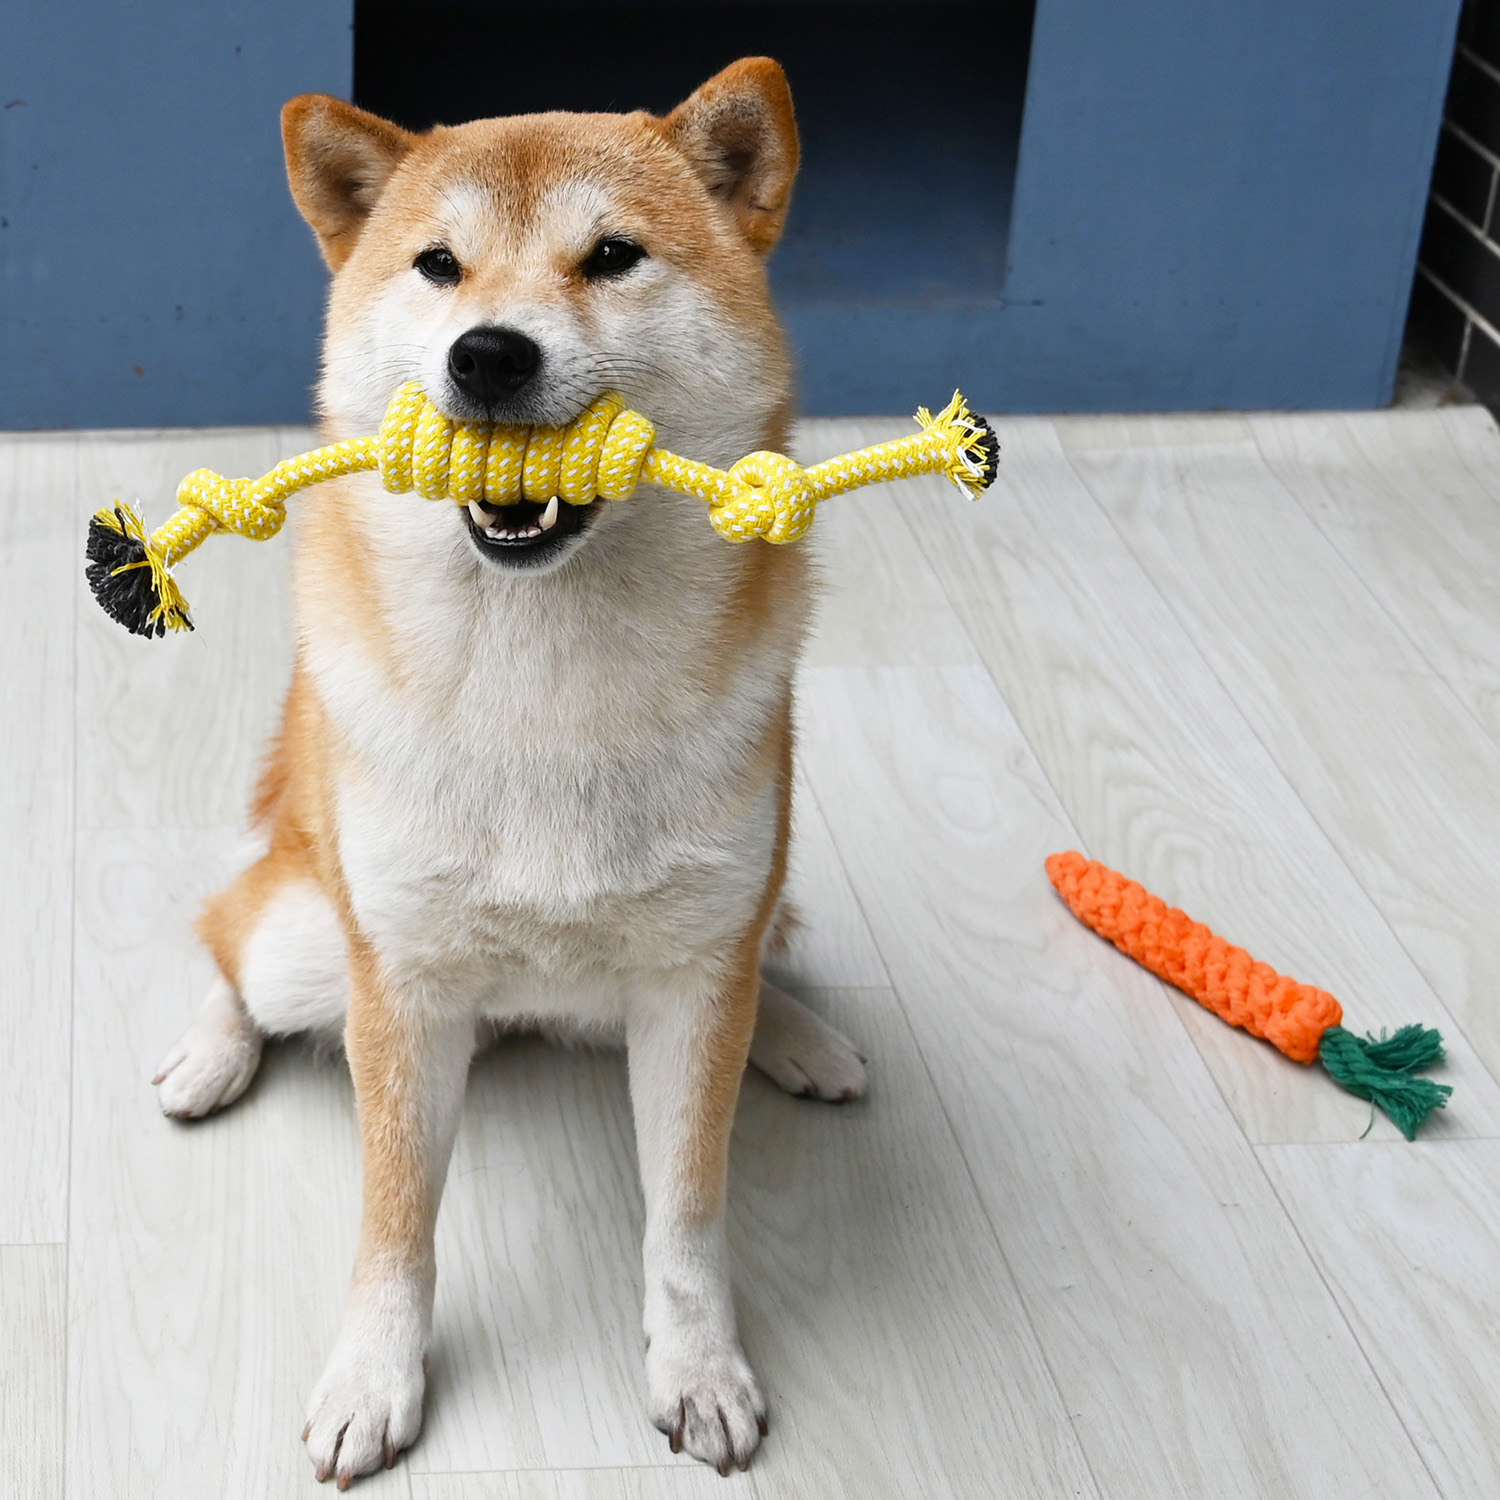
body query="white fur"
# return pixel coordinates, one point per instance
(294, 970)
(803, 1053)
(213, 1061)
(367, 1405)
(700, 1388)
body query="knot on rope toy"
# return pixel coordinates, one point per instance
(766, 495)
(604, 453)
(1300, 1020)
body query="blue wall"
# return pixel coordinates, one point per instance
(1216, 205)
(153, 270)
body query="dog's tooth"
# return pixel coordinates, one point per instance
(481, 519)
(548, 518)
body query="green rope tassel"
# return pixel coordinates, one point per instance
(1381, 1070)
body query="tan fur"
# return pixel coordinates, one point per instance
(290, 809)
(740, 134)
(338, 161)
(399, 1208)
(706, 1167)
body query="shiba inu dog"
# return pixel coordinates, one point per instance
(535, 763)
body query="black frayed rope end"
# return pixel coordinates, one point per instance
(129, 578)
(986, 447)
(973, 449)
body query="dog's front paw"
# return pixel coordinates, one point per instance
(706, 1401)
(367, 1407)
(213, 1061)
(802, 1053)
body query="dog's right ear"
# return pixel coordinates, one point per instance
(338, 160)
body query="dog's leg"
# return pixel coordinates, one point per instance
(409, 1055)
(283, 967)
(802, 1053)
(213, 1061)
(688, 1042)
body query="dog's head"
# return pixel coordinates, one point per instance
(518, 267)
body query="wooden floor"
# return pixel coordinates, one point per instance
(1081, 1240)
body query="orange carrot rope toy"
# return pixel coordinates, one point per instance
(1300, 1020)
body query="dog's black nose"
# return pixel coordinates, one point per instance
(491, 363)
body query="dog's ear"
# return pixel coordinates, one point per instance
(338, 159)
(740, 135)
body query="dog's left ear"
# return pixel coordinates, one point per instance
(740, 135)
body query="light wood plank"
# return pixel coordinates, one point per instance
(601, 1484)
(1395, 770)
(40, 566)
(880, 604)
(1162, 775)
(207, 1263)
(33, 1353)
(1410, 501)
(830, 947)
(1406, 1240)
(182, 722)
(856, 1234)
(536, 1342)
(1169, 1291)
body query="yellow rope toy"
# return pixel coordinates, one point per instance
(604, 453)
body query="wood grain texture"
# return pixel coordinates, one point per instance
(33, 1361)
(590, 1484)
(208, 1263)
(1162, 775)
(830, 946)
(1406, 1241)
(180, 724)
(1409, 501)
(40, 564)
(1396, 771)
(1168, 1288)
(856, 1234)
(696, 1483)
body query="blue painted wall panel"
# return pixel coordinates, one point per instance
(153, 270)
(1218, 205)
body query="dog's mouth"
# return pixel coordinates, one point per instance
(526, 534)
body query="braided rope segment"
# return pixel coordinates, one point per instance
(254, 508)
(604, 453)
(600, 454)
(1187, 954)
(768, 495)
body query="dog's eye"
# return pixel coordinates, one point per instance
(611, 256)
(439, 265)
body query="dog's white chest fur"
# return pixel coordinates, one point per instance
(551, 784)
